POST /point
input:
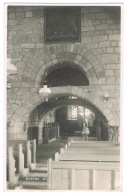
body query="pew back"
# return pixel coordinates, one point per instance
(66, 175)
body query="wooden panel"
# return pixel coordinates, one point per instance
(93, 151)
(96, 143)
(81, 179)
(61, 179)
(89, 157)
(117, 180)
(85, 175)
(103, 180)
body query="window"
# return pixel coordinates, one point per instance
(74, 111)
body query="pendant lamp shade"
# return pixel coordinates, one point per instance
(11, 68)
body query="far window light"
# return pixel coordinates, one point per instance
(74, 111)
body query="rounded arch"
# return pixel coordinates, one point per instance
(52, 105)
(36, 99)
(40, 62)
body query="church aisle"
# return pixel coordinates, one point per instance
(38, 175)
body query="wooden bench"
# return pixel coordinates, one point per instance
(89, 153)
(11, 177)
(95, 150)
(68, 175)
(19, 157)
(95, 143)
(29, 146)
(89, 157)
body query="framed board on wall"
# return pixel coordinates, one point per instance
(62, 24)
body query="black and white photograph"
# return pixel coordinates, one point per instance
(63, 97)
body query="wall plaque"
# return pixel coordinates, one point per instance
(62, 24)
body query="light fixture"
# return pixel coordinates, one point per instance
(8, 85)
(105, 97)
(45, 91)
(11, 68)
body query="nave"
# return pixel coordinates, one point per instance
(70, 164)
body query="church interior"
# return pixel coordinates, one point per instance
(63, 71)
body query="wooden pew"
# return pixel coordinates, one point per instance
(11, 177)
(67, 175)
(89, 153)
(95, 143)
(19, 159)
(89, 157)
(29, 149)
(95, 150)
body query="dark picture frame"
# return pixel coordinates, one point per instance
(62, 24)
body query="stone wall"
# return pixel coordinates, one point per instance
(98, 55)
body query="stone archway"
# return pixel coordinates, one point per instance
(40, 62)
(23, 113)
(50, 56)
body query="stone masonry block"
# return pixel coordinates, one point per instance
(102, 15)
(76, 46)
(95, 22)
(88, 65)
(86, 39)
(20, 64)
(68, 47)
(94, 80)
(28, 45)
(82, 51)
(54, 61)
(38, 14)
(107, 111)
(59, 48)
(110, 80)
(99, 38)
(110, 50)
(72, 48)
(96, 9)
(16, 84)
(11, 16)
(88, 74)
(114, 37)
(104, 44)
(101, 81)
(85, 10)
(110, 58)
(112, 66)
(29, 14)
(26, 74)
(88, 16)
(77, 62)
(117, 50)
(84, 68)
(109, 72)
(96, 62)
(101, 26)
(87, 28)
(52, 56)
(92, 45)
(20, 14)
(78, 57)
(109, 116)
(115, 26)
(11, 9)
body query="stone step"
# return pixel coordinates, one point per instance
(80, 139)
(38, 168)
(37, 174)
(34, 185)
